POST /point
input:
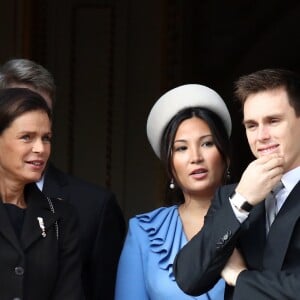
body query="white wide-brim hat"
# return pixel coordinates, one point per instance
(177, 99)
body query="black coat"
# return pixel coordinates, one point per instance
(273, 261)
(34, 267)
(102, 228)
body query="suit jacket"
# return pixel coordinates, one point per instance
(273, 261)
(34, 267)
(102, 230)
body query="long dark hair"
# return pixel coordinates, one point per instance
(219, 135)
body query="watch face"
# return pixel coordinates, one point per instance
(246, 206)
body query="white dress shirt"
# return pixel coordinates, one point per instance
(289, 180)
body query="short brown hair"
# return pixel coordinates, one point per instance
(269, 79)
(14, 102)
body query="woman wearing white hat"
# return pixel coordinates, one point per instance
(189, 129)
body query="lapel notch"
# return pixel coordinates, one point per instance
(279, 238)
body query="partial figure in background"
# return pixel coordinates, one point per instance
(102, 225)
(251, 235)
(188, 129)
(39, 240)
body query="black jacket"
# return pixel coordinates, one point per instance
(273, 261)
(35, 267)
(102, 230)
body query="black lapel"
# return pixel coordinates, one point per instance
(54, 182)
(279, 237)
(7, 230)
(37, 206)
(253, 226)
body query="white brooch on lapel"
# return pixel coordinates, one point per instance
(42, 226)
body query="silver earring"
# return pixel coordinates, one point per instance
(172, 184)
(228, 175)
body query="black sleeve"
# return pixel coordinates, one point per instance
(265, 285)
(198, 265)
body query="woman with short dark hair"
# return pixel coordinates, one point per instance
(39, 255)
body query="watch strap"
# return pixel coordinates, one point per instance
(240, 202)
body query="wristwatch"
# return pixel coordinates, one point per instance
(240, 202)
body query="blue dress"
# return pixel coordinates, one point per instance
(145, 266)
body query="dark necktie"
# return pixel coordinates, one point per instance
(271, 205)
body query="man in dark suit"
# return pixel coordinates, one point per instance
(251, 235)
(102, 225)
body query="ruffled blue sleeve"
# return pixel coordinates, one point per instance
(164, 230)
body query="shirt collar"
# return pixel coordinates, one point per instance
(40, 183)
(290, 179)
